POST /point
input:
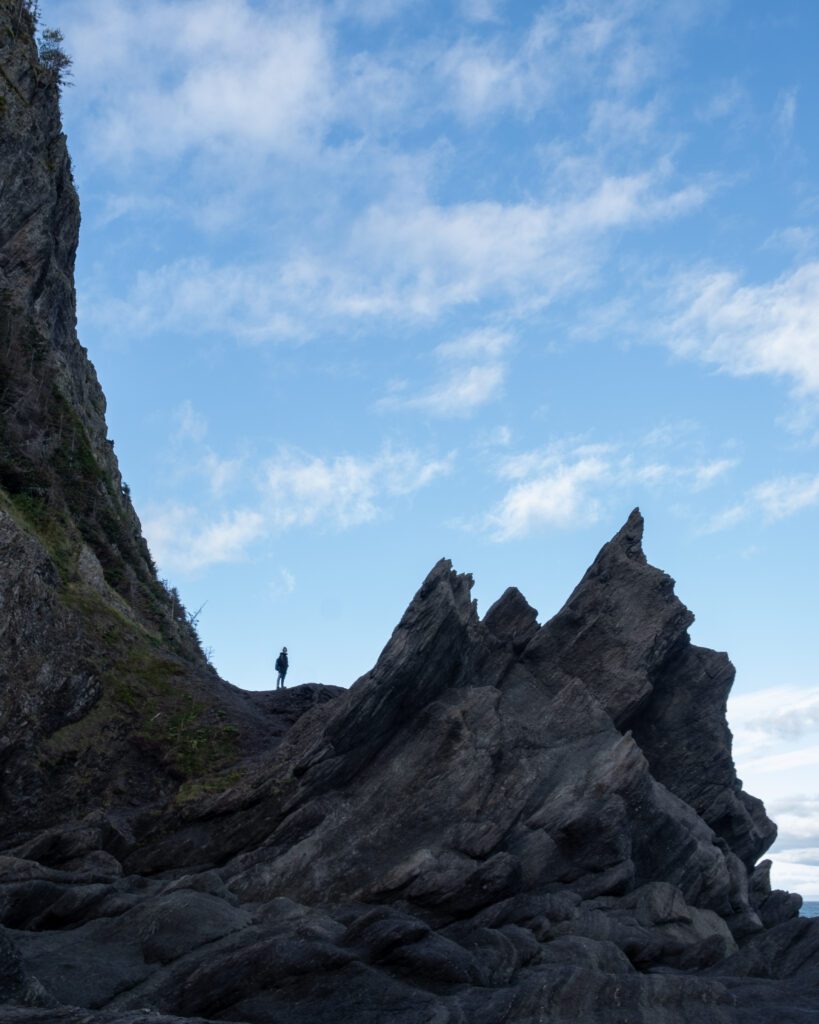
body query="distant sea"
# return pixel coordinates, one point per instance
(810, 908)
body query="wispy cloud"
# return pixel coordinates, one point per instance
(487, 343)
(704, 475)
(726, 519)
(475, 376)
(785, 114)
(283, 583)
(559, 495)
(785, 496)
(191, 424)
(192, 297)
(728, 102)
(764, 718)
(342, 491)
(771, 500)
(751, 329)
(220, 472)
(798, 820)
(182, 537)
(295, 490)
(480, 10)
(464, 391)
(405, 261)
(190, 78)
(568, 483)
(564, 48)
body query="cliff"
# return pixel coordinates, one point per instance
(105, 695)
(503, 821)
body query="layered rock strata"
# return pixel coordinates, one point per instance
(472, 833)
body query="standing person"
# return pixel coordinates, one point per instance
(281, 668)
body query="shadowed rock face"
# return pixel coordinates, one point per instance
(501, 821)
(105, 695)
(476, 831)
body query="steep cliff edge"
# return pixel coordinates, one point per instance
(105, 695)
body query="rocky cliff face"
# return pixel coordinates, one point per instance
(503, 821)
(105, 695)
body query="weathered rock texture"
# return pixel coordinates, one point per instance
(105, 695)
(502, 822)
(472, 833)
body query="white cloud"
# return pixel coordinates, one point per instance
(726, 519)
(467, 387)
(773, 500)
(706, 474)
(132, 203)
(774, 732)
(190, 296)
(566, 48)
(795, 876)
(727, 103)
(192, 425)
(568, 483)
(190, 76)
(480, 10)
(797, 239)
(182, 538)
(558, 496)
(798, 820)
(785, 113)
(296, 490)
(464, 392)
(497, 437)
(404, 259)
(784, 762)
(343, 491)
(220, 473)
(791, 721)
(785, 496)
(616, 122)
(671, 434)
(283, 584)
(752, 329)
(762, 719)
(487, 343)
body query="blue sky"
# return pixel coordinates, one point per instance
(370, 283)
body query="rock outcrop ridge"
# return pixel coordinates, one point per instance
(503, 821)
(472, 833)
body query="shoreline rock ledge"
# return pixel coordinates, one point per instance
(501, 821)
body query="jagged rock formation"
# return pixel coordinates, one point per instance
(502, 822)
(472, 833)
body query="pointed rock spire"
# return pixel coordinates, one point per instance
(616, 628)
(424, 655)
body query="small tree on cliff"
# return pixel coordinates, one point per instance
(53, 57)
